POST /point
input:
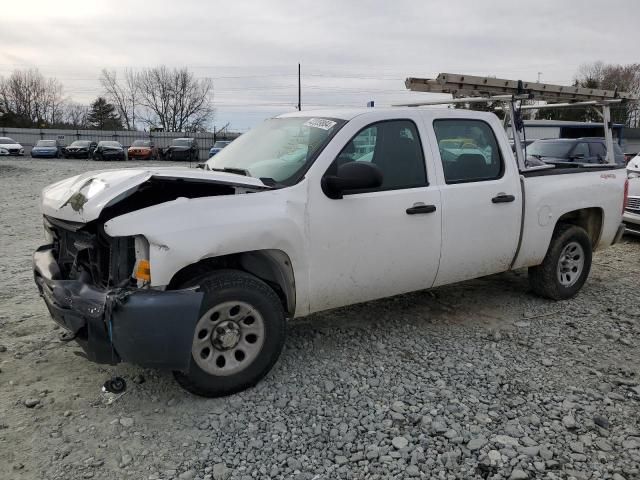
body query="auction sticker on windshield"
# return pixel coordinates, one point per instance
(322, 123)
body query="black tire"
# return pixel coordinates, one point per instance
(236, 286)
(544, 279)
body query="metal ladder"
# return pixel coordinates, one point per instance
(476, 89)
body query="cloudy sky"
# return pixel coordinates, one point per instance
(350, 51)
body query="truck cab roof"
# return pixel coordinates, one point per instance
(351, 113)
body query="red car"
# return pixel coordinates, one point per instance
(142, 150)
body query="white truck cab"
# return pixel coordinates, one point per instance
(197, 270)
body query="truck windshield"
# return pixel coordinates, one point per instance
(549, 149)
(279, 148)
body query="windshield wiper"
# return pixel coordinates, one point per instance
(269, 182)
(237, 171)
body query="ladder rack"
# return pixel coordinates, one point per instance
(474, 86)
(475, 89)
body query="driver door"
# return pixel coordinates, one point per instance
(381, 242)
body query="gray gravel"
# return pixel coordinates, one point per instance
(476, 380)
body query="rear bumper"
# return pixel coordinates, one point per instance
(150, 328)
(632, 222)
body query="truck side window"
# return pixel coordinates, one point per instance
(395, 147)
(581, 149)
(469, 150)
(598, 148)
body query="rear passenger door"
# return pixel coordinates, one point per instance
(481, 200)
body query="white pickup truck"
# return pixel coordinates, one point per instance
(197, 270)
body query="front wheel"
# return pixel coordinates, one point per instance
(566, 266)
(238, 338)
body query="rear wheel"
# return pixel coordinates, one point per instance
(238, 338)
(566, 266)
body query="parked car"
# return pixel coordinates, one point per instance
(576, 150)
(219, 145)
(80, 149)
(46, 149)
(11, 146)
(182, 149)
(198, 270)
(109, 150)
(631, 215)
(142, 150)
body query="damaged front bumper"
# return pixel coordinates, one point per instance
(150, 328)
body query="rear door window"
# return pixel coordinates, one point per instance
(469, 151)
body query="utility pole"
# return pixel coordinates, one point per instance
(539, 75)
(299, 90)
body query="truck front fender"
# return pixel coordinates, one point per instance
(187, 231)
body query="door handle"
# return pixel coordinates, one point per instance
(503, 198)
(420, 208)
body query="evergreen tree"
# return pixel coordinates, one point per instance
(103, 116)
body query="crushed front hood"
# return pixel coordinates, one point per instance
(83, 197)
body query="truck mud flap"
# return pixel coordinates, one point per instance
(155, 328)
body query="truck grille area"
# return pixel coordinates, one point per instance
(82, 250)
(633, 204)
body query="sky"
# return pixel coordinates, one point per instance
(351, 51)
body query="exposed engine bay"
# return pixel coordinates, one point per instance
(84, 250)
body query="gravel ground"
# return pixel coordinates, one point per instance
(475, 380)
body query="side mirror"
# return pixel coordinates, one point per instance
(351, 176)
(577, 156)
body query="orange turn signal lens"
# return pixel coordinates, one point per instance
(142, 271)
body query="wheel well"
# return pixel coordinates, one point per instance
(590, 219)
(271, 266)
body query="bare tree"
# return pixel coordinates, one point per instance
(174, 99)
(624, 78)
(30, 99)
(75, 115)
(123, 94)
